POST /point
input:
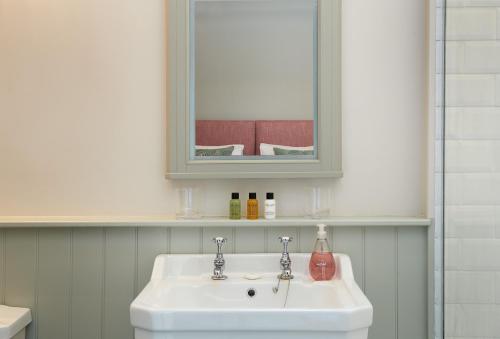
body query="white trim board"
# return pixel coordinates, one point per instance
(169, 221)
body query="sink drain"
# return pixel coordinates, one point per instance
(251, 292)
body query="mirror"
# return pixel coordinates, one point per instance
(253, 79)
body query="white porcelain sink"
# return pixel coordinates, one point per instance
(182, 302)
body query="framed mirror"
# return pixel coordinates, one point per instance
(254, 88)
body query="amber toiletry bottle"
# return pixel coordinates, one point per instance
(252, 207)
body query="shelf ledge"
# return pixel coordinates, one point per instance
(168, 221)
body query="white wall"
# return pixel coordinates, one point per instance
(82, 111)
(472, 171)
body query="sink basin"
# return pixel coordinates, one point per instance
(182, 302)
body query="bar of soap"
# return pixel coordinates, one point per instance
(251, 276)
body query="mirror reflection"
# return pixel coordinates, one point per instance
(254, 78)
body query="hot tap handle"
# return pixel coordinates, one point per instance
(219, 241)
(285, 240)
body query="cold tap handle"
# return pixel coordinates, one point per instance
(285, 241)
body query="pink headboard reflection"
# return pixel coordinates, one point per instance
(297, 133)
(226, 132)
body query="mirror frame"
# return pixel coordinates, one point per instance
(329, 120)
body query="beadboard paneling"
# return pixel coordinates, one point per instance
(412, 308)
(381, 284)
(87, 316)
(54, 283)
(79, 282)
(21, 264)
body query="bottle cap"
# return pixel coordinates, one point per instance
(321, 231)
(252, 196)
(235, 196)
(269, 196)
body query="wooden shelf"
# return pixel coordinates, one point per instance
(169, 221)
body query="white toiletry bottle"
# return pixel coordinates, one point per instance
(270, 207)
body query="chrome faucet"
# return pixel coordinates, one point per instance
(285, 261)
(219, 261)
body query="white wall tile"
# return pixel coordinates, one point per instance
(480, 254)
(498, 21)
(476, 320)
(496, 155)
(497, 221)
(479, 189)
(452, 249)
(470, 222)
(470, 90)
(471, 189)
(450, 319)
(470, 287)
(482, 57)
(497, 287)
(455, 57)
(453, 126)
(453, 192)
(472, 123)
(480, 123)
(471, 24)
(498, 83)
(473, 3)
(472, 225)
(469, 156)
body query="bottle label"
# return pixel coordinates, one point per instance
(270, 209)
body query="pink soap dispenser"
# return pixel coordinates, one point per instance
(322, 264)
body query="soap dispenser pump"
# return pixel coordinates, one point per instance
(322, 263)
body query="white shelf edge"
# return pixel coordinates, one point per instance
(50, 222)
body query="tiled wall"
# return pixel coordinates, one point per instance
(472, 185)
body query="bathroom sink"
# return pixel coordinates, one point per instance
(182, 301)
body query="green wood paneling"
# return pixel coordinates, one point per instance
(307, 238)
(87, 284)
(412, 283)
(119, 282)
(250, 240)
(2, 266)
(381, 280)
(80, 282)
(351, 241)
(186, 240)
(150, 243)
(21, 271)
(54, 283)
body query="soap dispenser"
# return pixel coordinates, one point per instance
(322, 263)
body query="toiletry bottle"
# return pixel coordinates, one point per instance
(235, 207)
(270, 207)
(252, 207)
(322, 264)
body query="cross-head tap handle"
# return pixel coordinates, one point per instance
(285, 241)
(219, 241)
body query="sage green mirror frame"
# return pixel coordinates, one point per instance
(329, 130)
